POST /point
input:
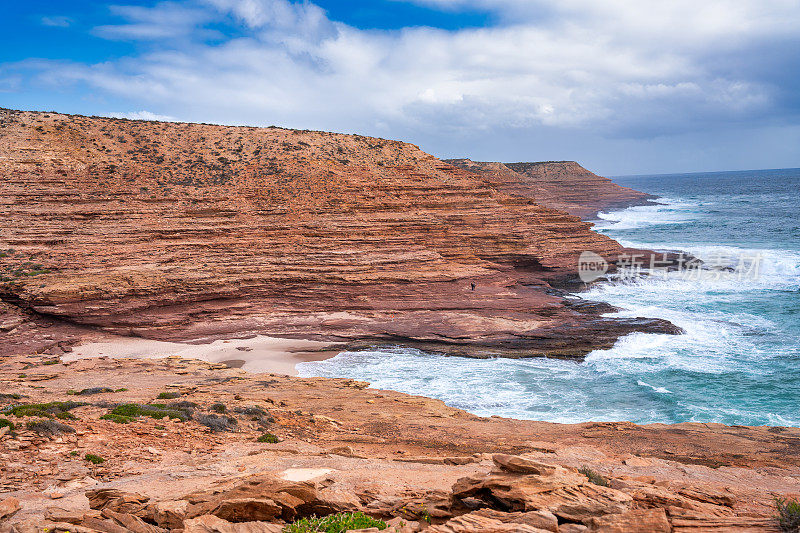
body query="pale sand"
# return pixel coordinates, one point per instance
(257, 354)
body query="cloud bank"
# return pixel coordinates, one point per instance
(609, 77)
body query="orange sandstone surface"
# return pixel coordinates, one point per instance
(345, 447)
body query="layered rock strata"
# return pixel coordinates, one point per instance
(186, 231)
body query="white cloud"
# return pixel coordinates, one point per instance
(142, 115)
(56, 21)
(635, 68)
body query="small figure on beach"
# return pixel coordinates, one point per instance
(472, 285)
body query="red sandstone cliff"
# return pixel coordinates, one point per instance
(563, 185)
(179, 231)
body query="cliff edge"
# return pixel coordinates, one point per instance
(562, 185)
(181, 231)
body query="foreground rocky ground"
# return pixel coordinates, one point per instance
(343, 447)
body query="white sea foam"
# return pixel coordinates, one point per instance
(660, 390)
(664, 211)
(718, 371)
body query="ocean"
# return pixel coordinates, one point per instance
(738, 363)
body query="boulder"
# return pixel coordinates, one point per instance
(131, 522)
(169, 514)
(8, 507)
(633, 521)
(523, 465)
(214, 524)
(247, 510)
(119, 501)
(478, 522)
(257, 498)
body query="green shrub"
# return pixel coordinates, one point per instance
(268, 438)
(4, 422)
(90, 391)
(335, 523)
(156, 411)
(49, 428)
(219, 407)
(169, 395)
(94, 459)
(593, 476)
(217, 423)
(119, 419)
(45, 410)
(788, 516)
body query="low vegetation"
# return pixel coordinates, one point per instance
(49, 428)
(335, 523)
(269, 438)
(593, 476)
(94, 459)
(90, 391)
(788, 516)
(125, 413)
(216, 423)
(6, 423)
(169, 395)
(60, 410)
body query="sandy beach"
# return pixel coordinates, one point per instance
(256, 354)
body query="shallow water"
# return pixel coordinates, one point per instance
(738, 363)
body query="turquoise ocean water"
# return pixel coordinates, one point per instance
(738, 363)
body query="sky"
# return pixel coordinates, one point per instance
(622, 86)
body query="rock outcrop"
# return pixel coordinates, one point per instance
(342, 447)
(562, 185)
(186, 231)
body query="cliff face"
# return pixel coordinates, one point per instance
(179, 231)
(563, 185)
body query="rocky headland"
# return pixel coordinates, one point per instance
(126, 241)
(176, 231)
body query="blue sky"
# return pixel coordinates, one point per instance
(623, 86)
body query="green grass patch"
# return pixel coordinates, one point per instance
(6, 423)
(59, 410)
(168, 395)
(788, 516)
(335, 523)
(94, 459)
(218, 407)
(269, 438)
(593, 476)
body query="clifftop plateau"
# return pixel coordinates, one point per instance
(185, 231)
